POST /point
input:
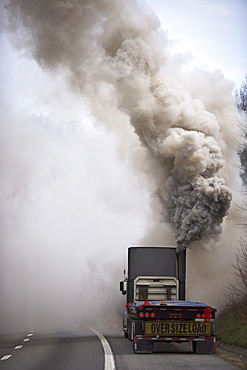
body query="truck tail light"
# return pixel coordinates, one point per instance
(175, 316)
(207, 316)
(146, 314)
(207, 313)
(198, 315)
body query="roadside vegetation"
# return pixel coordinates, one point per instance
(231, 324)
(231, 327)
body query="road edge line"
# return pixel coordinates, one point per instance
(109, 357)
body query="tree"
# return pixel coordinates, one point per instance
(241, 97)
(238, 289)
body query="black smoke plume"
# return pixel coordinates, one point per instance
(115, 54)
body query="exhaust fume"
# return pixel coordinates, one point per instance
(114, 52)
(177, 129)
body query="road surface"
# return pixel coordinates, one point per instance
(31, 351)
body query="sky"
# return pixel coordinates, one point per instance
(72, 200)
(213, 31)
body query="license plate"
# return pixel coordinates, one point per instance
(179, 328)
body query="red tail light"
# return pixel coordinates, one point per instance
(146, 314)
(207, 313)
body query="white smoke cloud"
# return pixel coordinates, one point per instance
(65, 199)
(178, 130)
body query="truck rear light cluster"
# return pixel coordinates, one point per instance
(201, 315)
(175, 316)
(147, 314)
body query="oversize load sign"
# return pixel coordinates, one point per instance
(178, 328)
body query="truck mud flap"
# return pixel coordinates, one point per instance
(134, 327)
(204, 347)
(141, 345)
(129, 329)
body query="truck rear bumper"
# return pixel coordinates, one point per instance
(144, 344)
(177, 339)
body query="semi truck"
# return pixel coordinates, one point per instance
(156, 309)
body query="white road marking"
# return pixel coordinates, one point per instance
(6, 357)
(19, 347)
(109, 357)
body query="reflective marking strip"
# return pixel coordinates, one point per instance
(135, 342)
(109, 358)
(214, 344)
(18, 347)
(143, 337)
(6, 357)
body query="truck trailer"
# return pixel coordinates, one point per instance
(156, 309)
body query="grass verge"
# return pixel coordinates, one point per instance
(231, 327)
(236, 361)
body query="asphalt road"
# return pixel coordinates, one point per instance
(33, 352)
(166, 356)
(52, 353)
